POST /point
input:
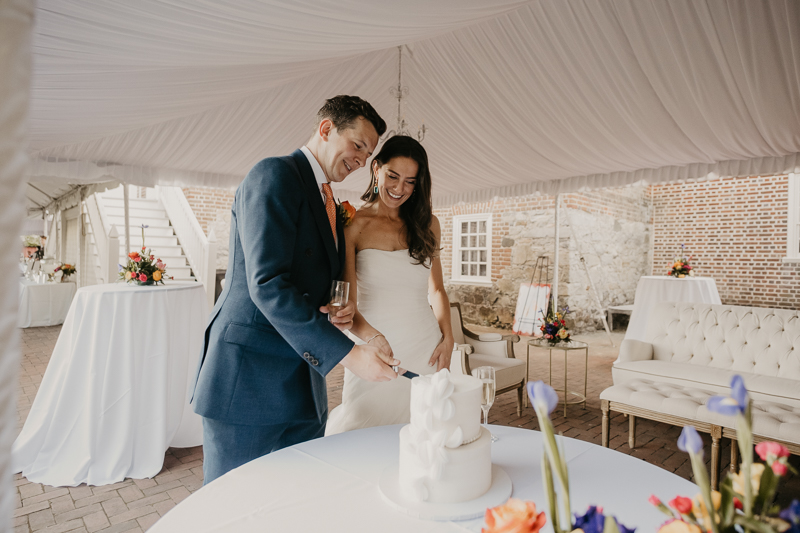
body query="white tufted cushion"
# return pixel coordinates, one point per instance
(703, 345)
(770, 420)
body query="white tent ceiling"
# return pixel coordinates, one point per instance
(517, 96)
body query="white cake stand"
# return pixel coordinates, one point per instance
(497, 494)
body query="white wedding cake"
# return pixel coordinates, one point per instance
(445, 454)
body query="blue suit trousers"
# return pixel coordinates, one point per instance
(228, 446)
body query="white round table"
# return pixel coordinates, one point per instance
(654, 289)
(43, 304)
(331, 485)
(114, 396)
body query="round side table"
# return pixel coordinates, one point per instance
(565, 347)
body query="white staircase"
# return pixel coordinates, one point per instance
(159, 236)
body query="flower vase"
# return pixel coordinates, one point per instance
(148, 282)
(65, 278)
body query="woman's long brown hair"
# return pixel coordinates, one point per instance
(417, 211)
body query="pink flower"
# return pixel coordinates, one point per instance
(765, 449)
(779, 468)
(681, 504)
(142, 277)
(137, 259)
(654, 499)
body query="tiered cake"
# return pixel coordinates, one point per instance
(445, 454)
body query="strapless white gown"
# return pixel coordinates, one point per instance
(393, 298)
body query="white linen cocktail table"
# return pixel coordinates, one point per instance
(43, 304)
(331, 485)
(654, 289)
(114, 395)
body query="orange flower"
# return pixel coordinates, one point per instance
(347, 213)
(515, 516)
(679, 526)
(133, 255)
(157, 275)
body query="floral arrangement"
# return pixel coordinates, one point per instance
(143, 268)
(346, 213)
(680, 266)
(554, 328)
(66, 269)
(521, 517)
(745, 501)
(31, 241)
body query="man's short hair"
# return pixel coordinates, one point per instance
(343, 110)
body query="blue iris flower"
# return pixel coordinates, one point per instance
(792, 515)
(594, 521)
(121, 268)
(541, 394)
(734, 404)
(690, 441)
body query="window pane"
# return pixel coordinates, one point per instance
(482, 226)
(483, 256)
(482, 241)
(473, 256)
(473, 241)
(473, 227)
(464, 241)
(465, 255)
(464, 269)
(483, 270)
(464, 227)
(473, 270)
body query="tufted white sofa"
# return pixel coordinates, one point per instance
(691, 353)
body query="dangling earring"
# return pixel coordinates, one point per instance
(375, 188)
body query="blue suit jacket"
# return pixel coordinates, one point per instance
(267, 348)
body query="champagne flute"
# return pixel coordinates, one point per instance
(488, 385)
(340, 291)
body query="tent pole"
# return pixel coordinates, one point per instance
(126, 207)
(554, 290)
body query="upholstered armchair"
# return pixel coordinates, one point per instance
(487, 349)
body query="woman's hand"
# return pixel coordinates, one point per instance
(442, 353)
(382, 344)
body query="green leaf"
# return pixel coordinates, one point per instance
(766, 490)
(752, 524)
(726, 508)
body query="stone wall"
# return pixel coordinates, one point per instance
(610, 229)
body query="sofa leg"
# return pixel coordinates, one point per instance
(716, 435)
(632, 431)
(604, 437)
(734, 456)
(519, 400)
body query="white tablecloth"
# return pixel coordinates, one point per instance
(43, 304)
(114, 396)
(654, 289)
(331, 485)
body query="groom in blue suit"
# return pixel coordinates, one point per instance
(269, 343)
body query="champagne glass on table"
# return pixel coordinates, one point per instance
(488, 385)
(340, 292)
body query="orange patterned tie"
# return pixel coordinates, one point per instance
(330, 207)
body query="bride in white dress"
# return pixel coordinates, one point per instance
(394, 272)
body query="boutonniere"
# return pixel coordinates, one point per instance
(346, 213)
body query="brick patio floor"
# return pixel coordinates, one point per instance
(136, 504)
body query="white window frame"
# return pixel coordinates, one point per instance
(793, 221)
(456, 276)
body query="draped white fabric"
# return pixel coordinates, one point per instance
(16, 27)
(518, 97)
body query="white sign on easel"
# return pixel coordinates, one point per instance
(531, 309)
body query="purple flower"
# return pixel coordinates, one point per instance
(734, 404)
(690, 441)
(542, 395)
(792, 515)
(594, 521)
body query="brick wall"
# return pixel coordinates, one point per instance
(207, 202)
(736, 228)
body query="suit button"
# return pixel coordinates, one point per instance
(305, 295)
(307, 356)
(309, 253)
(315, 362)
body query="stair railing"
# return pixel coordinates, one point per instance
(200, 250)
(106, 240)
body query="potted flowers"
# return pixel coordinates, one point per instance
(66, 270)
(143, 268)
(680, 266)
(554, 329)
